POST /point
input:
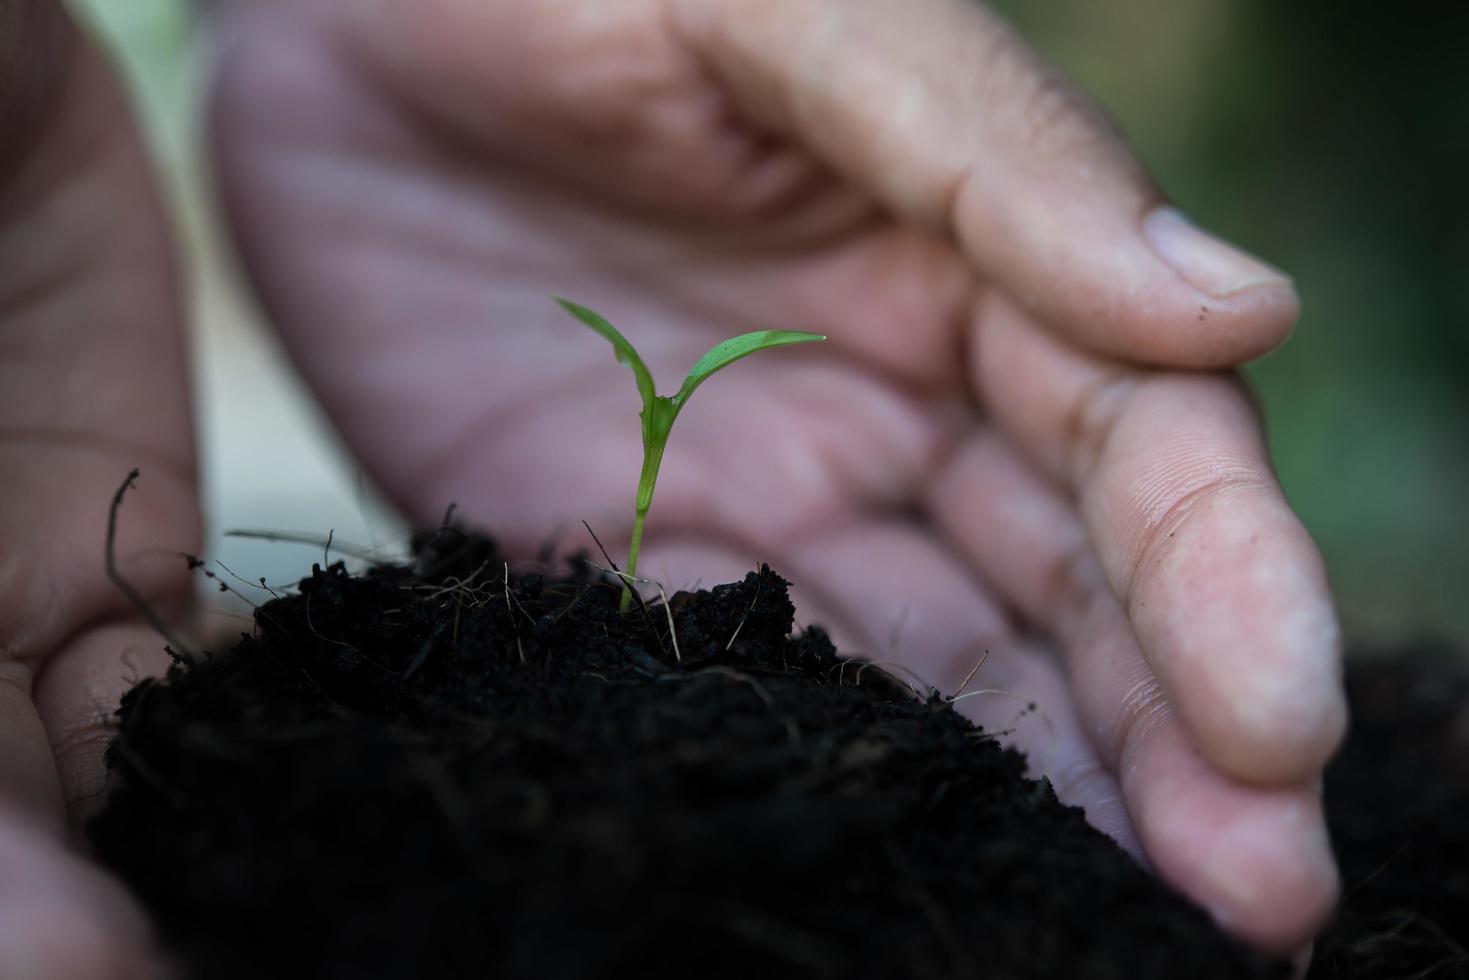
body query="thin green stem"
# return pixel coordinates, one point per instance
(659, 412)
(653, 445)
(632, 559)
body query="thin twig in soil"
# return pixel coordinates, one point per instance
(510, 596)
(602, 548)
(421, 657)
(197, 564)
(451, 585)
(302, 537)
(254, 585)
(759, 583)
(319, 634)
(667, 610)
(576, 598)
(177, 650)
(1029, 707)
(970, 676)
(343, 643)
(887, 666)
(511, 613)
(629, 590)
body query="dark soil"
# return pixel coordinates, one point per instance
(451, 771)
(1398, 805)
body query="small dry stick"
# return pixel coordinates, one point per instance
(741, 624)
(969, 677)
(176, 649)
(1028, 705)
(627, 581)
(511, 613)
(302, 537)
(885, 666)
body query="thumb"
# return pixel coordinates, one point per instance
(943, 114)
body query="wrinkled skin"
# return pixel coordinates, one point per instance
(1017, 440)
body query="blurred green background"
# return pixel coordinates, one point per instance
(1331, 138)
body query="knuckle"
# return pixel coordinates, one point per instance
(1053, 120)
(1092, 420)
(1175, 513)
(1045, 112)
(1070, 583)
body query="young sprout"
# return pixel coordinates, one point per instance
(659, 412)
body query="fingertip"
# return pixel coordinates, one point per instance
(61, 919)
(1272, 886)
(1246, 307)
(1258, 860)
(1156, 291)
(1207, 262)
(1164, 292)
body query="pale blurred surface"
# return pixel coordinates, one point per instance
(270, 458)
(1327, 137)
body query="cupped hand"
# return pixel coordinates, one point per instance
(1021, 436)
(92, 383)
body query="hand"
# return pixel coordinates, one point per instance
(92, 383)
(1021, 433)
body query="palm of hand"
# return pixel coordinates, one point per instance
(413, 282)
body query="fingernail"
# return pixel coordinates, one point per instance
(1209, 264)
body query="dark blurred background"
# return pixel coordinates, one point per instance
(1331, 138)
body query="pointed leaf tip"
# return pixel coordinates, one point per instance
(626, 354)
(724, 354)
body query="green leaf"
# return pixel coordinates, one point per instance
(725, 354)
(627, 355)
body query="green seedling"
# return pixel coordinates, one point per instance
(659, 412)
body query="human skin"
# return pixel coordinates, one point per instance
(92, 382)
(1022, 437)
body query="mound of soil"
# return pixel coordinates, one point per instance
(447, 770)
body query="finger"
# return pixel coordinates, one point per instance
(941, 112)
(92, 382)
(1256, 857)
(76, 696)
(66, 921)
(1223, 586)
